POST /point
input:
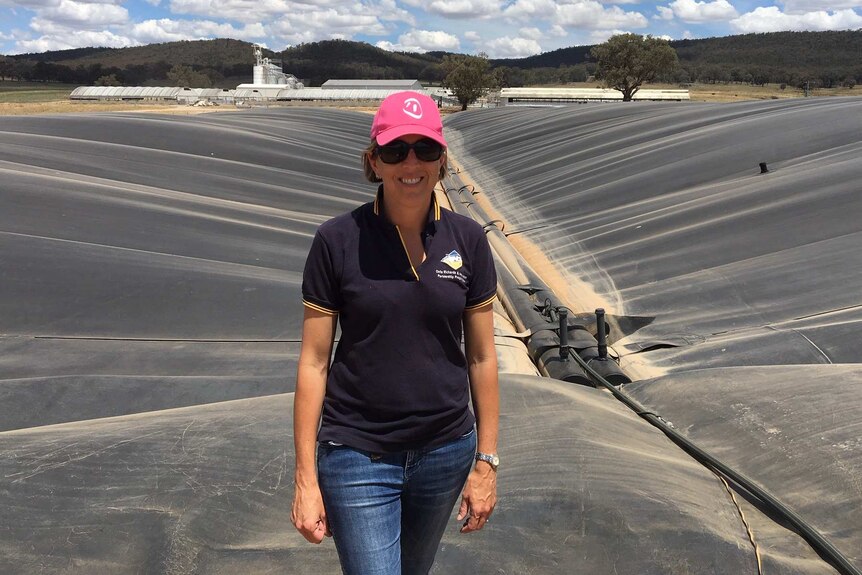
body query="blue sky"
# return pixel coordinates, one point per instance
(500, 28)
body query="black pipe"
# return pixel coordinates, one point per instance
(818, 542)
(536, 308)
(601, 337)
(610, 370)
(563, 314)
(550, 362)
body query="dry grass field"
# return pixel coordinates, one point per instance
(26, 98)
(67, 107)
(18, 98)
(739, 92)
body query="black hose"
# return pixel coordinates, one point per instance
(817, 541)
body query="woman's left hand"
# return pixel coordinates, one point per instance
(478, 498)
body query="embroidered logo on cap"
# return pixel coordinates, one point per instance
(453, 260)
(413, 108)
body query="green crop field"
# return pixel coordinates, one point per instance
(25, 92)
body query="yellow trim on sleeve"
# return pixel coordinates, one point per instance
(319, 308)
(486, 302)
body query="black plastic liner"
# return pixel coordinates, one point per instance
(664, 211)
(150, 315)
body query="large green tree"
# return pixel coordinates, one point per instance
(108, 80)
(185, 76)
(627, 61)
(469, 77)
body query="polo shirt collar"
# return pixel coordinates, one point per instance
(433, 209)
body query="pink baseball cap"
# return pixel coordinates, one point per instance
(406, 113)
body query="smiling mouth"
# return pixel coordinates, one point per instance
(410, 180)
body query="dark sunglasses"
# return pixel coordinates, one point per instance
(396, 151)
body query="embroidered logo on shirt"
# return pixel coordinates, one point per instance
(453, 260)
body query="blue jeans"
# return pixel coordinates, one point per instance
(387, 512)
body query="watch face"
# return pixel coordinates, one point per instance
(491, 460)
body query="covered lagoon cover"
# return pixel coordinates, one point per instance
(150, 318)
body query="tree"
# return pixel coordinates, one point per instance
(627, 61)
(7, 68)
(184, 76)
(829, 78)
(467, 76)
(109, 80)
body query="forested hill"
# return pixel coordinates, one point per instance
(317, 62)
(779, 56)
(823, 58)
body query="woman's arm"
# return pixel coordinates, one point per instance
(318, 331)
(480, 492)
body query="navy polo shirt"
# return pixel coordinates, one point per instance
(398, 380)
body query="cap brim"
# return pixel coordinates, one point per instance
(396, 132)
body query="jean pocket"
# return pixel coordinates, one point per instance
(326, 447)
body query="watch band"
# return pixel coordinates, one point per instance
(491, 459)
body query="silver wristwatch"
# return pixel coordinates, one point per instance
(490, 458)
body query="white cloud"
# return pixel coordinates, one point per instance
(29, 4)
(464, 8)
(265, 10)
(342, 22)
(592, 15)
(804, 6)
(511, 47)
(83, 15)
(472, 36)
(557, 30)
(54, 36)
(388, 10)
(388, 46)
(292, 37)
(167, 30)
(771, 19)
(599, 36)
(531, 33)
(695, 11)
(77, 40)
(423, 41)
(323, 24)
(530, 9)
(664, 13)
(66, 24)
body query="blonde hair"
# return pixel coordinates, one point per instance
(368, 170)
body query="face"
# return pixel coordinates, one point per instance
(411, 177)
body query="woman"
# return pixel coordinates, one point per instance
(396, 443)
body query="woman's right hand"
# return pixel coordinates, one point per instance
(308, 514)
